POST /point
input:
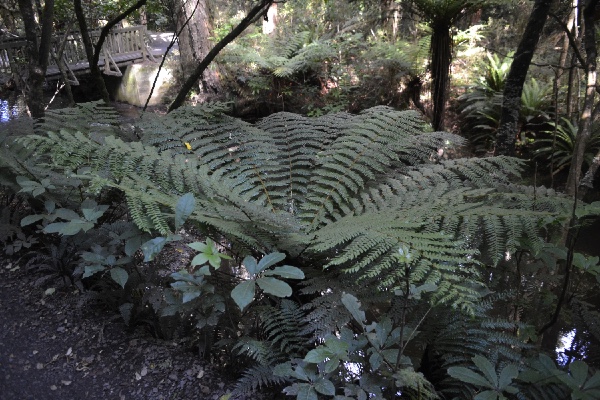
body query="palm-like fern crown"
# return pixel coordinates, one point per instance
(342, 190)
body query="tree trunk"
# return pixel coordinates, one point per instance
(257, 11)
(511, 104)
(441, 57)
(194, 41)
(89, 51)
(38, 52)
(585, 122)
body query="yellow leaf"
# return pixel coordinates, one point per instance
(188, 146)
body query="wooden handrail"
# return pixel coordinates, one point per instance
(127, 42)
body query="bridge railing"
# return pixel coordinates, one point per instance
(11, 50)
(122, 46)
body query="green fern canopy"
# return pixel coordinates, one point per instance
(341, 191)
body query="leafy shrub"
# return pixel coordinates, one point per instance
(556, 146)
(480, 108)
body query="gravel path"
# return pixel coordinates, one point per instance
(53, 348)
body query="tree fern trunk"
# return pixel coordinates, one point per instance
(441, 57)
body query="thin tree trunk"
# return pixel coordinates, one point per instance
(194, 41)
(38, 53)
(89, 51)
(93, 51)
(511, 104)
(257, 11)
(585, 122)
(441, 58)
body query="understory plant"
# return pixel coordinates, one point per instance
(365, 262)
(480, 108)
(556, 146)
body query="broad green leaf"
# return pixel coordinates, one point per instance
(489, 371)
(274, 286)
(353, 306)
(199, 259)
(198, 246)
(318, 355)
(509, 373)
(119, 275)
(243, 294)
(593, 382)
(54, 227)
(390, 355)
(269, 260)
(466, 375)
(133, 244)
(205, 270)
(579, 372)
(67, 214)
(375, 361)
(284, 369)
(579, 260)
(214, 260)
(337, 346)
(190, 295)
(306, 392)
(111, 260)
(331, 365)
(152, 247)
(92, 215)
(90, 270)
(286, 271)
(324, 386)
(250, 264)
(75, 226)
(30, 219)
(68, 228)
(50, 206)
(487, 395)
(183, 209)
(23, 181)
(383, 329)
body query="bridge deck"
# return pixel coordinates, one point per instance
(83, 67)
(123, 46)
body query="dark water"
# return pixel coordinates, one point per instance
(11, 107)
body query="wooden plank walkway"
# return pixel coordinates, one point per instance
(123, 46)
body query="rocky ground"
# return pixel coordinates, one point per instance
(53, 348)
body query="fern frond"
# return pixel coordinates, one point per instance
(255, 378)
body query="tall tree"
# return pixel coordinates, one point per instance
(259, 9)
(441, 16)
(584, 130)
(195, 22)
(511, 103)
(38, 51)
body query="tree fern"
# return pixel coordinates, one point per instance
(349, 188)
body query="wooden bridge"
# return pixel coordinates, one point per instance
(122, 46)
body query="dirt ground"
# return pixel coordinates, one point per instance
(51, 348)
